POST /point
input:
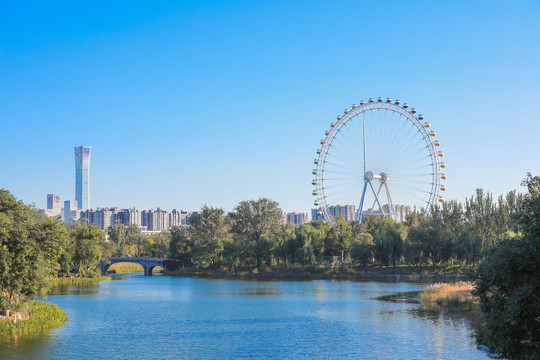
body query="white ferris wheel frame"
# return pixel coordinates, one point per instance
(361, 110)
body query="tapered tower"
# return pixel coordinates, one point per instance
(82, 177)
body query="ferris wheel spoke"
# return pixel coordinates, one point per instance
(346, 161)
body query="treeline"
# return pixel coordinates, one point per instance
(251, 235)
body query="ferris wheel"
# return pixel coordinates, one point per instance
(380, 158)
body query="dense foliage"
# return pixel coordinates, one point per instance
(29, 246)
(251, 235)
(34, 248)
(508, 285)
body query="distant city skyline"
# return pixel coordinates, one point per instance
(186, 103)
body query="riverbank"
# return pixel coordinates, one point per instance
(37, 316)
(319, 272)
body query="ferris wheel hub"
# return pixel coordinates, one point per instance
(369, 175)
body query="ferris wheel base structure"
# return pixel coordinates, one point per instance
(379, 153)
(368, 179)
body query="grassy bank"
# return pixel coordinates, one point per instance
(456, 296)
(125, 267)
(37, 316)
(314, 272)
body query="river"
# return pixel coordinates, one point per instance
(162, 317)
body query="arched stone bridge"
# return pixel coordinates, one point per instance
(148, 264)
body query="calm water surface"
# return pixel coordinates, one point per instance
(163, 317)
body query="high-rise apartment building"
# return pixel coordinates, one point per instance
(296, 218)
(82, 176)
(400, 213)
(129, 216)
(102, 217)
(147, 220)
(162, 218)
(347, 212)
(177, 218)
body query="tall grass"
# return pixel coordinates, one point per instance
(43, 315)
(454, 296)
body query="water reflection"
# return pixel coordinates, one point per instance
(74, 289)
(24, 346)
(149, 317)
(260, 291)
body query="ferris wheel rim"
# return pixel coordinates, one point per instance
(410, 114)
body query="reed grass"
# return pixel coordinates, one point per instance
(456, 296)
(42, 315)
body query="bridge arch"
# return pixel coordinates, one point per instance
(148, 264)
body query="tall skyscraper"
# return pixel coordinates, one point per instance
(82, 176)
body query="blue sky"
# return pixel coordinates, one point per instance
(213, 102)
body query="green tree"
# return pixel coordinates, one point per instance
(118, 237)
(233, 253)
(209, 227)
(468, 248)
(331, 242)
(344, 235)
(158, 245)
(389, 247)
(254, 223)
(418, 245)
(362, 248)
(480, 212)
(52, 239)
(209, 252)
(388, 237)
(320, 229)
(86, 251)
(135, 240)
(180, 245)
(29, 245)
(508, 285)
(210, 223)
(529, 214)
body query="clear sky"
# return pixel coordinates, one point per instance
(187, 103)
